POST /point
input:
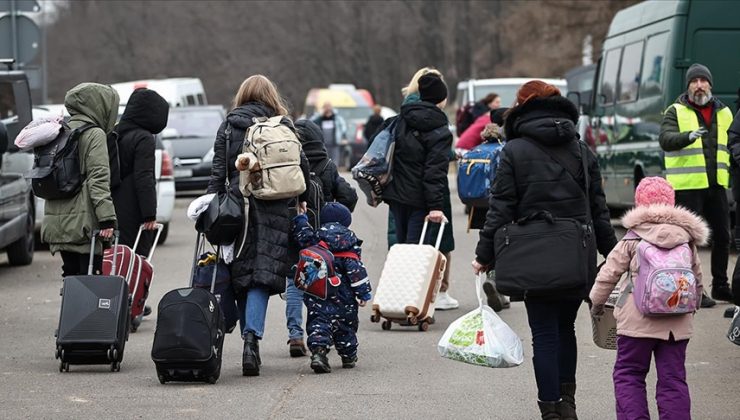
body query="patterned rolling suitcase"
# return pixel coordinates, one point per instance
(409, 283)
(93, 320)
(137, 270)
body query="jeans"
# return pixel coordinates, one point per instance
(633, 364)
(254, 310)
(554, 344)
(711, 204)
(409, 222)
(293, 310)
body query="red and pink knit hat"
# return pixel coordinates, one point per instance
(654, 190)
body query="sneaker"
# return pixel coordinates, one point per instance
(349, 362)
(445, 301)
(297, 347)
(319, 361)
(492, 296)
(722, 292)
(706, 301)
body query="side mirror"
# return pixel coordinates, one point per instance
(3, 139)
(575, 97)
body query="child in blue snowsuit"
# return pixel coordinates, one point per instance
(334, 320)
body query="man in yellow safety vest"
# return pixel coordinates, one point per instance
(693, 136)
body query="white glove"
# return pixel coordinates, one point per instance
(699, 132)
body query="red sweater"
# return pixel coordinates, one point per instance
(706, 112)
(471, 137)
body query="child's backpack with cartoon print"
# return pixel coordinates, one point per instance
(665, 282)
(315, 270)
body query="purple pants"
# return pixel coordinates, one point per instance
(633, 364)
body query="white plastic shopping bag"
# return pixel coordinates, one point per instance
(481, 338)
(39, 132)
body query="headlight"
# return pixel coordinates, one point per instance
(208, 157)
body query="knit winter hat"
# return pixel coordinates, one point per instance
(336, 213)
(654, 190)
(698, 70)
(432, 88)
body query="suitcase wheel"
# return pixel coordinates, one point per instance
(162, 379)
(63, 367)
(374, 318)
(115, 367)
(112, 354)
(423, 326)
(58, 353)
(386, 325)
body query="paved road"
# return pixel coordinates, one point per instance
(399, 374)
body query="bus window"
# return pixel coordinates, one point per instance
(190, 99)
(201, 99)
(609, 76)
(629, 74)
(653, 66)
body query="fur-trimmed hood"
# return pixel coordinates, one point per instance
(666, 226)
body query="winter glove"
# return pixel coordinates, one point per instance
(699, 132)
(597, 310)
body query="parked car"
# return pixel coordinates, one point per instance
(17, 221)
(163, 170)
(190, 133)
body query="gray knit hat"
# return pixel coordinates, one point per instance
(698, 70)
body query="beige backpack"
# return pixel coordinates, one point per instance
(277, 152)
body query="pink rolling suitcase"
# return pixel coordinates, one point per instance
(138, 272)
(409, 283)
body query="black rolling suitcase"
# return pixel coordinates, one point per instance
(189, 336)
(94, 319)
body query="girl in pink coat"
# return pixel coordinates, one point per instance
(639, 337)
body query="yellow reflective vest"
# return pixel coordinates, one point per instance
(686, 169)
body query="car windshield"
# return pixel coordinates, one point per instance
(195, 123)
(357, 113)
(506, 92)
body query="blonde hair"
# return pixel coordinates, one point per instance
(259, 88)
(413, 86)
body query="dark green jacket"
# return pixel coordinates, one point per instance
(68, 223)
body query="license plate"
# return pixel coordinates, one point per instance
(183, 173)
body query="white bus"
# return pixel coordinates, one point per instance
(182, 91)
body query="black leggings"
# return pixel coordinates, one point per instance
(554, 343)
(75, 264)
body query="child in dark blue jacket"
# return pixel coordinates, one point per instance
(334, 320)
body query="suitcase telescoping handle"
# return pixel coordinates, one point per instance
(158, 228)
(95, 234)
(201, 237)
(439, 234)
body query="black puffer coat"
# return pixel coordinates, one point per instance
(263, 260)
(335, 188)
(528, 180)
(135, 198)
(421, 158)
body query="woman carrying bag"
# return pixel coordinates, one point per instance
(550, 185)
(260, 262)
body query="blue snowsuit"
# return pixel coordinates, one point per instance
(334, 319)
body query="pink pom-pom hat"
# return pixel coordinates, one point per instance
(654, 190)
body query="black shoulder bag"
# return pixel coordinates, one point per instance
(222, 221)
(540, 253)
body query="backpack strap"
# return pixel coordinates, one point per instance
(631, 235)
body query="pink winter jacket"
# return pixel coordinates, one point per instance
(664, 226)
(471, 137)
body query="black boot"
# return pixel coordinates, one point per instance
(349, 362)
(319, 361)
(549, 410)
(568, 401)
(251, 356)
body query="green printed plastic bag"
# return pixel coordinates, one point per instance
(481, 338)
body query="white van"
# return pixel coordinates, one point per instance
(474, 90)
(181, 91)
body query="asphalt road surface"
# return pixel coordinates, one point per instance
(399, 373)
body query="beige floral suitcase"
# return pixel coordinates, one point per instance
(409, 283)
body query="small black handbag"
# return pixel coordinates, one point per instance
(540, 253)
(222, 221)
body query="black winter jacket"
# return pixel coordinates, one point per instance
(135, 198)
(671, 139)
(263, 260)
(421, 158)
(528, 180)
(335, 188)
